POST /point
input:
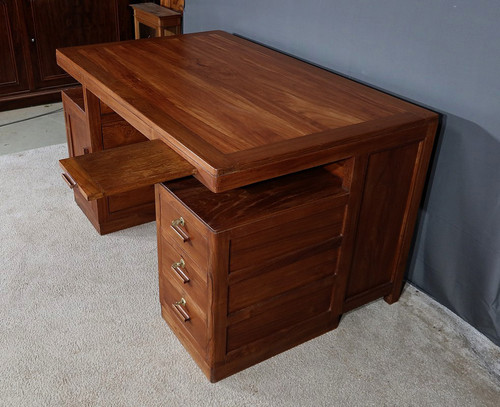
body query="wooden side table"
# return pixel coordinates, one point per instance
(163, 20)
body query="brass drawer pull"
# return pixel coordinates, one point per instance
(176, 225)
(178, 268)
(68, 180)
(178, 306)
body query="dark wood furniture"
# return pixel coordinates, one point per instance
(164, 21)
(30, 32)
(298, 189)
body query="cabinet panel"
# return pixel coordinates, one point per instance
(382, 216)
(72, 22)
(283, 274)
(285, 236)
(78, 136)
(280, 313)
(118, 132)
(12, 70)
(32, 30)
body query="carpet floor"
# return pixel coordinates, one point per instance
(80, 325)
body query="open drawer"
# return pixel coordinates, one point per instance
(122, 169)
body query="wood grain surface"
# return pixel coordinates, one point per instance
(231, 107)
(227, 209)
(123, 169)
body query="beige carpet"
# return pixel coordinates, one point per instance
(80, 325)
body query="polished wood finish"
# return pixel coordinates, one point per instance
(76, 122)
(285, 116)
(255, 298)
(163, 20)
(378, 228)
(117, 132)
(193, 240)
(13, 75)
(108, 131)
(61, 23)
(125, 169)
(192, 275)
(304, 197)
(30, 32)
(259, 195)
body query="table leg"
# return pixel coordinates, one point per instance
(137, 27)
(93, 117)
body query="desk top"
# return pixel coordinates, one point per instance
(238, 112)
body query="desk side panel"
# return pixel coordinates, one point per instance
(391, 194)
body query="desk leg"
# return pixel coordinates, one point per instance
(137, 27)
(93, 117)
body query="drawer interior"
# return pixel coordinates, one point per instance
(109, 172)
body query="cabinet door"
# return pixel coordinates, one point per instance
(13, 76)
(55, 24)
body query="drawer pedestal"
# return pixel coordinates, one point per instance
(252, 272)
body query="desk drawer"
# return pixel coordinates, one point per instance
(272, 238)
(262, 282)
(182, 312)
(254, 324)
(122, 169)
(182, 272)
(189, 235)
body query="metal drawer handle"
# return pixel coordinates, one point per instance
(68, 180)
(178, 306)
(176, 225)
(178, 268)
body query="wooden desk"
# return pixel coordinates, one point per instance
(273, 261)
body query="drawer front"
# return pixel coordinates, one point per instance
(262, 282)
(119, 133)
(195, 328)
(280, 313)
(190, 235)
(181, 271)
(271, 239)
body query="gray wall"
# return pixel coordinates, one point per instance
(442, 54)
